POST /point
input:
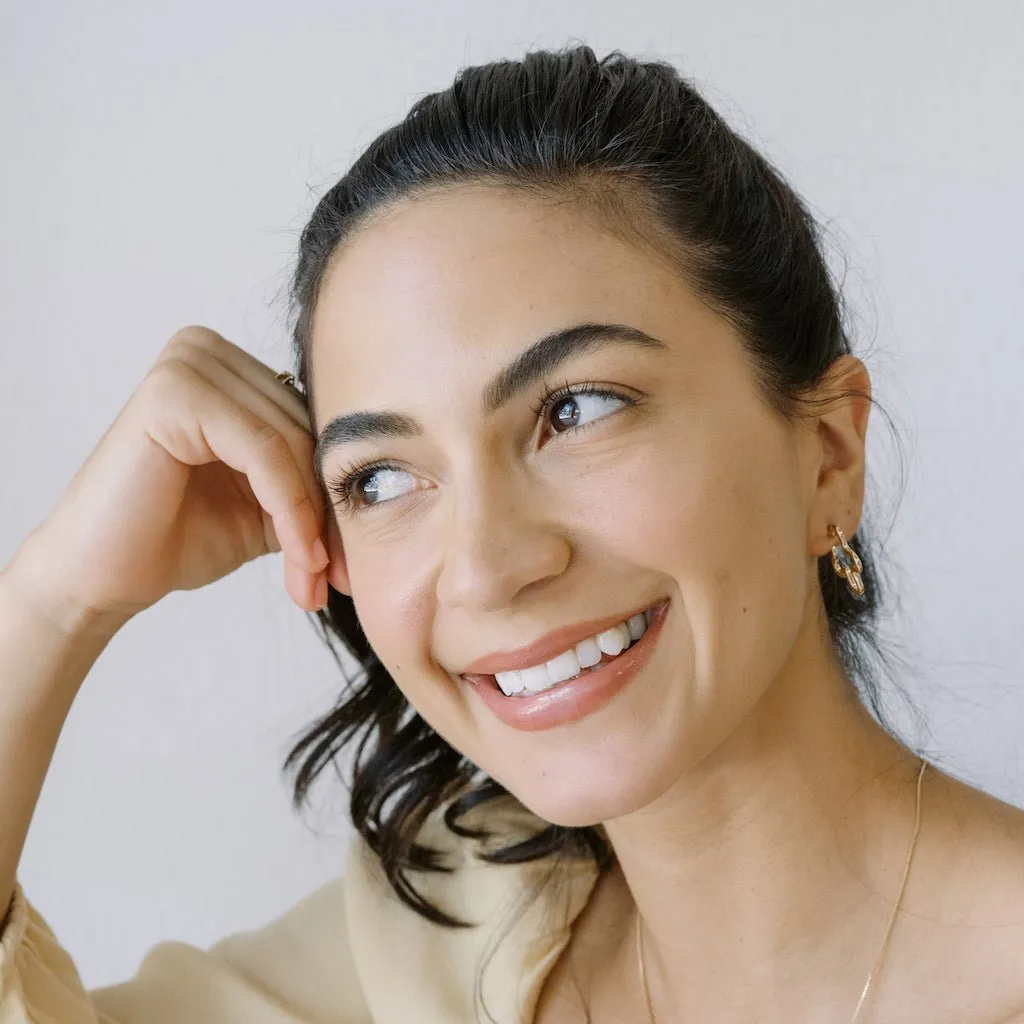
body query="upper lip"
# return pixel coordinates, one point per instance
(548, 646)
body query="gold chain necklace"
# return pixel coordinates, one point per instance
(885, 938)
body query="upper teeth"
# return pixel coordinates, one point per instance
(570, 663)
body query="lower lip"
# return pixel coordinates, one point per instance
(574, 698)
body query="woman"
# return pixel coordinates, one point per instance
(573, 463)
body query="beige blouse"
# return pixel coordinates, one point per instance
(349, 953)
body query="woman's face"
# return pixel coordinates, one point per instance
(494, 524)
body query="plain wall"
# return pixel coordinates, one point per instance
(157, 162)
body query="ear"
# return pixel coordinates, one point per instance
(840, 435)
(337, 569)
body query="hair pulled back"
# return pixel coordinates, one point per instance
(634, 143)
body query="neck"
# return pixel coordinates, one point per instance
(766, 874)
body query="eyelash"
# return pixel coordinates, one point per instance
(342, 488)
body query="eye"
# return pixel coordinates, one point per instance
(576, 408)
(366, 485)
(573, 408)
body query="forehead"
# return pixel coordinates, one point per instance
(457, 281)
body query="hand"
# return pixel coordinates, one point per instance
(208, 465)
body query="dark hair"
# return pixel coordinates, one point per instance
(635, 143)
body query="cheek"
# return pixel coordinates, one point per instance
(723, 519)
(393, 592)
(389, 599)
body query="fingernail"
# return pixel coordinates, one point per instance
(320, 552)
(321, 592)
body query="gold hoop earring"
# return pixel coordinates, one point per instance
(846, 563)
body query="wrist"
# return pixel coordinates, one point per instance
(58, 610)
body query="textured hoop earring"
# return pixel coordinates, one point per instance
(846, 563)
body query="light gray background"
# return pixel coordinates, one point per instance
(156, 165)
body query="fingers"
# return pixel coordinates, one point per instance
(261, 377)
(254, 385)
(216, 426)
(337, 569)
(261, 399)
(245, 365)
(269, 533)
(308, 591)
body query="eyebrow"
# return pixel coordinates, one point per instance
(531, 365)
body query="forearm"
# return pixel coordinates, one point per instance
(42, 666)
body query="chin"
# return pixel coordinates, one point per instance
(581, 803)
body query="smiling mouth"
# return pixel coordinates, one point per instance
(589, 655)
(586, 693)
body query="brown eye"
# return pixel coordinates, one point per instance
(363, 488)
(566, 413)
(588, 405)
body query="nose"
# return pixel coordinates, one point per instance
(501, 537)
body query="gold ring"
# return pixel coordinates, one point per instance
(286, 378)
